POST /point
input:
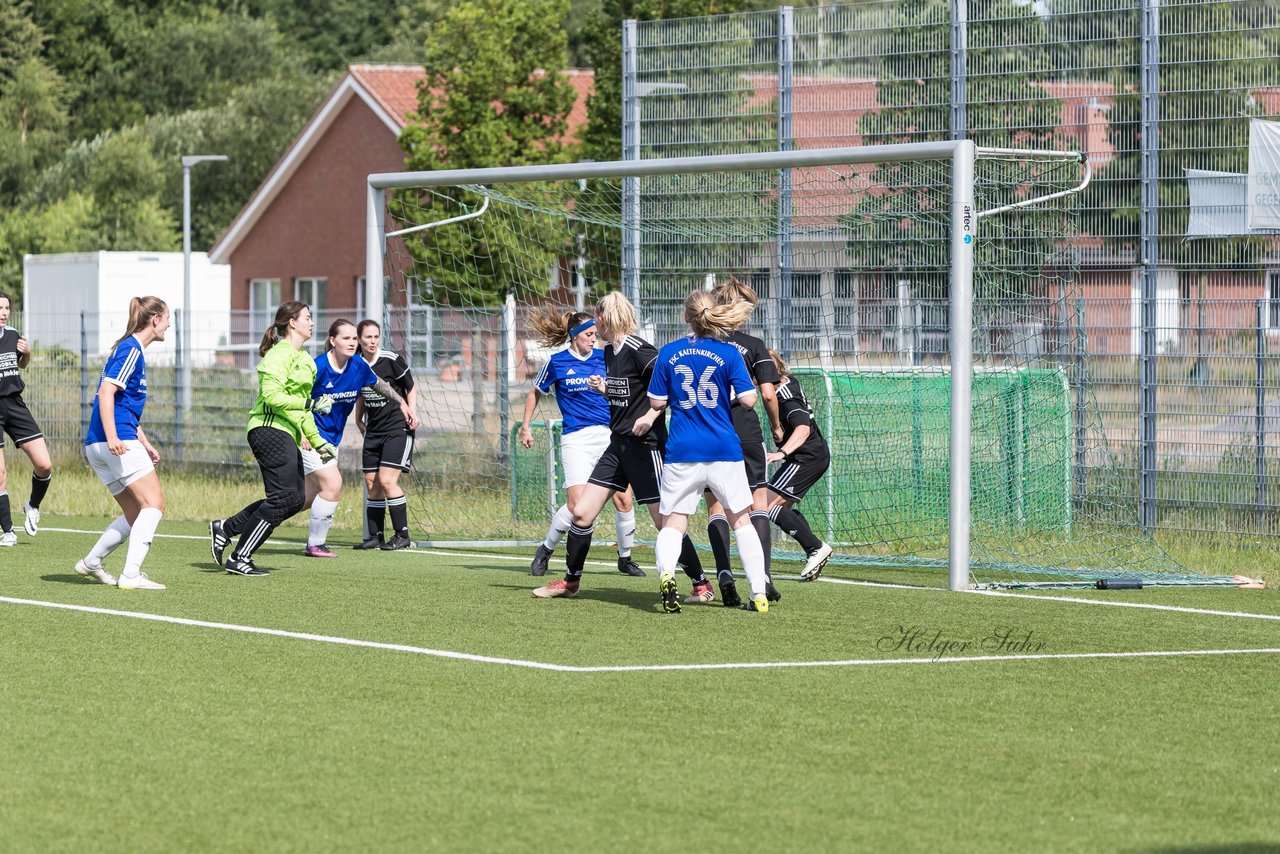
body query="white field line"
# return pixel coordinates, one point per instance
(205, 537)
(625, 668)
(844, 581)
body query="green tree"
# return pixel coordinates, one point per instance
(507, 105)
(33, 121)
(64, 226)
(21, 38)
(125, 181)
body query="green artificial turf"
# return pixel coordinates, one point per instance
(124, 734)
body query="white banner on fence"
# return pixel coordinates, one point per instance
(1218, 203)
(1264, 174)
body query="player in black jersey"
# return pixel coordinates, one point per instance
(17, 421)
(805, 458)
(388, 440)
(747, 424)
(638, 437)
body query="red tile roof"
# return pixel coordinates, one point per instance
(395, 88)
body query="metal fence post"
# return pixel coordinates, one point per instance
(86, 406)
(630, 151)
(181, 394)
(959, 67)
(786, 48)
(1260, 413)
(1081, 373)
(1150, 259)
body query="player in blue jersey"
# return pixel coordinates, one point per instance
(699, 378)
(17, 421)
(339, 377)
(584, 433)
(638, 435)
(118, 450)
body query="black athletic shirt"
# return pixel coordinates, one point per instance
(627, 387)
(793, 411)
(382, 417)
(761, 369)
(10, 379)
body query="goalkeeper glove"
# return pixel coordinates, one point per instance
(326, 451)
(320, 405)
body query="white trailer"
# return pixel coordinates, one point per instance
(58, 289)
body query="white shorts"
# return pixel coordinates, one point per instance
(311, 462)
(580, 451)
(118, 472)
(684, 483)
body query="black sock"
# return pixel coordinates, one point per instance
(256, 532)
(399, 510)
(691, 562)
(760, 521)
(6, 518)
(375, 512)
(792, 521)
(235, 524)
(718, 536)
(39, 486)
(576, 546)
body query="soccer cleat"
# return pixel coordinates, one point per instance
(138, 582)
(558, 589)
(757, 603)
(670, 595)
(399, 541)
(701, 595)
(243, 566)
(218, 541)
(815, 562)
(8, 538)
(627, 566)
(540, 558)
(319, 551)
(728, 590)
(31, 522)
(374, 542)
(84, 568)
(771, 593)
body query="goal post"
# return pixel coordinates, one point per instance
(478, 249)
(964, 223)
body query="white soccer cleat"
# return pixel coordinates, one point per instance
(138, 582)
(815, 562)
(8, 538)
(86, 569)
(32, 521)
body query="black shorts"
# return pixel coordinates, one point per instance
(17, 421)
(792, 480)
(388, 452)
(753, 456)
(630, 462)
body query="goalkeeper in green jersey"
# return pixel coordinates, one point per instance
(281, 417)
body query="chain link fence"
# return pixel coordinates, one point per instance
(1179, 307)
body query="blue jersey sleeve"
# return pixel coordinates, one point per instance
(124, 360)
(546, 377)
(739, 379)
(660, 382)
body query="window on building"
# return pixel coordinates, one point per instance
(264, 299)
(1273, 299)
(312, 291)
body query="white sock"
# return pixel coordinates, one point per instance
(144, 530)
(752, 556)
(117, 532)
(321, 518)
(559, 527)
(625, 524)
(666, 551)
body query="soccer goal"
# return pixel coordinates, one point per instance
(925, 295)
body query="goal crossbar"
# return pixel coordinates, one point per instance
(962, 155)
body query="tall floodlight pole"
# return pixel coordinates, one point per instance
(185, 327)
